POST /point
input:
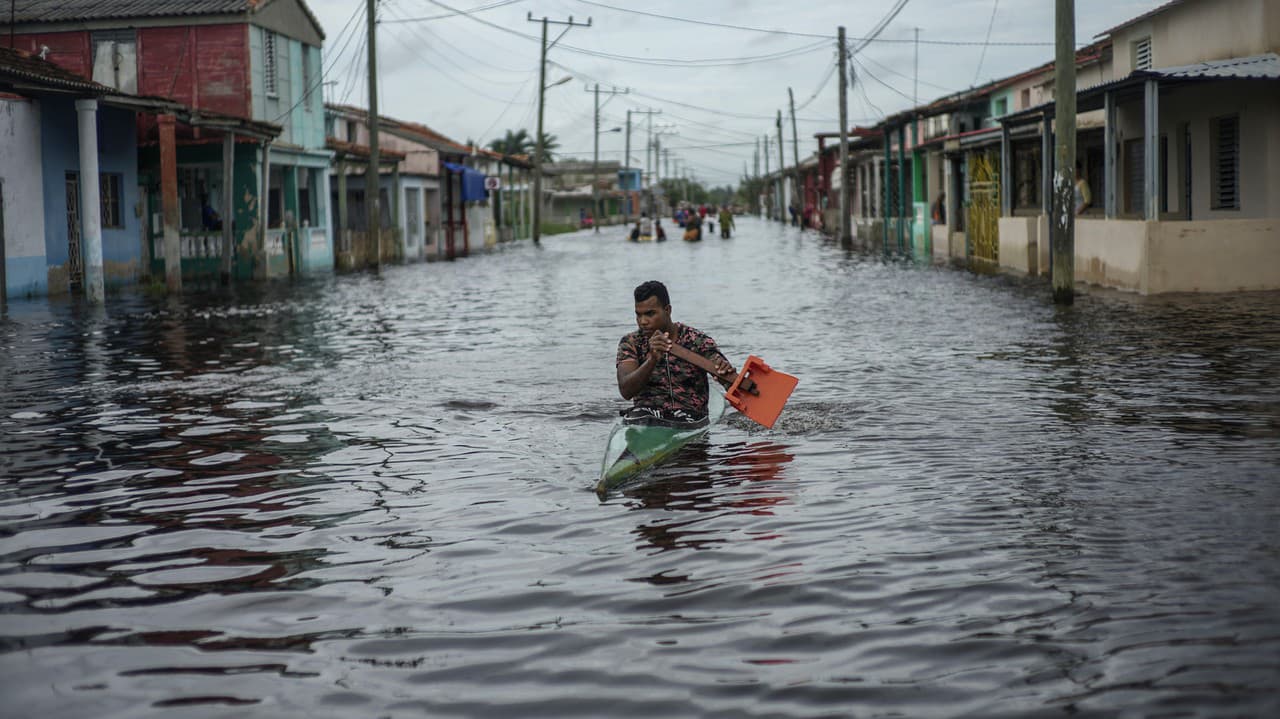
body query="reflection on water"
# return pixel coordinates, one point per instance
(369, 496)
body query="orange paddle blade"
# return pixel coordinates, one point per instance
(773, 389)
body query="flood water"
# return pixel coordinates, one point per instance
(370, 496)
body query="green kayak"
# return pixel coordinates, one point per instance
(636, 447)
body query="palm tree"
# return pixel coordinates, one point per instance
(549, 144)
(515, 142)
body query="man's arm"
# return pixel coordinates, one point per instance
(632, 376)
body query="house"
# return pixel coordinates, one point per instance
(574, 186)
(250, 197)
(56, 128)
(436, 189)
(1184, 164)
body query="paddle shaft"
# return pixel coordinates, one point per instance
(703, 363)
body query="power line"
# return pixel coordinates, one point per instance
(870, 37)
(990, 23)
(456, 13)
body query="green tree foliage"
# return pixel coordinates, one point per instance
(514, 142)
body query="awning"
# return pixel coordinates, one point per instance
(472, 182)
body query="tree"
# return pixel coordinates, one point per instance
(514, 142)
(549, 144)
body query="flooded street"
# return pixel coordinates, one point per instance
(370, 496)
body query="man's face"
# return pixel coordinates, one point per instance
(651, 316)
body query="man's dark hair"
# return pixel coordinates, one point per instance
(653, 288)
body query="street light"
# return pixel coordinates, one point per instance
(561, 81)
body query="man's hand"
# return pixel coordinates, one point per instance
(659, 344)
(724, 370)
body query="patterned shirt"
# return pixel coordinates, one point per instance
(674, 384)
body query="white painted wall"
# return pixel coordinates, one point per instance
(23, 189)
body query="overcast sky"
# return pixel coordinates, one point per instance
(475, 75)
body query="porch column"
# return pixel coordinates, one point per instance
(340, 232)
(228, 202)
(397, 200)
(169, 204)
(902, 184)
(261, 268)
(887, 207)
(1109, 155)
(90, 197)
(1151, 151)
(1046, 165)
(1006, 179)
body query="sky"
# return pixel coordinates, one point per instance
(469, 68)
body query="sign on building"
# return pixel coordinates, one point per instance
(492, 182)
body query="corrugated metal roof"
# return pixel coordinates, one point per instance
(76, 10)
(1256, 67)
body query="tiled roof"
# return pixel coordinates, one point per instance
(56, 11)
(17, 65)
(72, 10)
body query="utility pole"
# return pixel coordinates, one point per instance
(782, 172)
(542, 91)
(846, 230)
(795, 141)
(626, 166)
(1062, 232)
(650, 112)
(595, 163)
(372, 179)
(766, 173)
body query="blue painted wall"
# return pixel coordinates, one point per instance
(117, 154)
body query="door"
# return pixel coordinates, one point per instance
(984, 207)
(75, 264)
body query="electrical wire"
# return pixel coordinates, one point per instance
(456, 13)
(990, 23)
(869, 38)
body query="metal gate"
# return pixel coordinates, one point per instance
(984, 206)
(75, 264)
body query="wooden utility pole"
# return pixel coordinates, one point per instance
(846, 231)
(782, 171)
(650, 112)
(595, 163)
(372, 189)
(1063, 220)
(795, 144)
(766, 174)
(542, 92)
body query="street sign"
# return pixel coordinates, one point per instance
(493, 182)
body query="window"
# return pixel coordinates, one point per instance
(269, 63)
(115, 59)
(109, 190)
(1142, 53)
(1002, 107)
(1225, 160)
(351, 131)
(1026, 175)
(306, 78)
(1026, 98)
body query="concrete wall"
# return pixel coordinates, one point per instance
(1214, 256)
(22, 198)
(1111, 253)
(1019, 244)
(1201, 30)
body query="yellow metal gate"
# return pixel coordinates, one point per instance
(984, 206)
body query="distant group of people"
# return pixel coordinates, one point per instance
(809, 217)
(690, 219)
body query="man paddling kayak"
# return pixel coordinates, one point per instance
(662, 387)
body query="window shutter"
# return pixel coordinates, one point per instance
(1142, 54)
(269, 62)
(1226, 163)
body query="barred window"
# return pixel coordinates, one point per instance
(109, 190)
(1225, 158)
